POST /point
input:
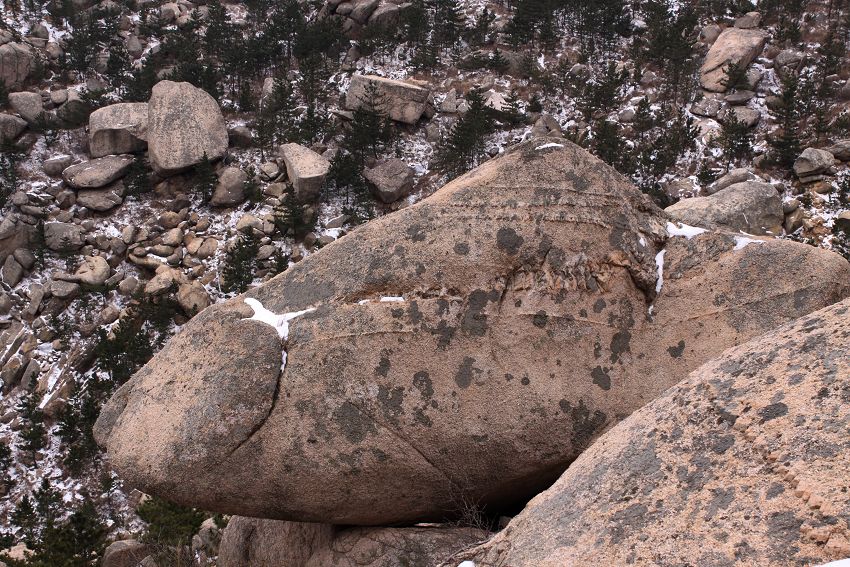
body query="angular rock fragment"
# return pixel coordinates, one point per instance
(738, 46)
(118, 129)
(401, 101)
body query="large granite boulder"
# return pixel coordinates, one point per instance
(753, 207)
(16, 62)
(249, 542)
(738, 46)
(15, 233)
(813, 162)
(464, 349)
(118, 129)
(97, 173)
(745, 462)
(184, 123)
(390, 179)
(402, 101)
(27, 104)
(11, 127)
(306, 170)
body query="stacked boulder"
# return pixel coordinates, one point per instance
(471, 348)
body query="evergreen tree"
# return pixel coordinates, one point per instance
(290, 217)
(448, 22)
(6, 462)
(120, 354)
(465, 144)
(25, 518)
(498, 62)
(479, 33)
(786, 144)
(137, 181)
(240, 265)
(205, 180)
(92, 30)
(735, 140)
(33, 431)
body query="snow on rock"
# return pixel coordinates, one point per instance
(742, 241)
(549, 145)
(659, 262)
(279, 322)
(681, 229)
(392, 299)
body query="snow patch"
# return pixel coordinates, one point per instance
(279, 322)
(839, 563)
(680, 229)
(549, 145)
(392, 299)
(741, 242)
(659, 262)
(467, 564)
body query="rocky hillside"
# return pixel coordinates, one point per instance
(393, 267)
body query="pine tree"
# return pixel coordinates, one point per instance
(240, 265)
(33, 431)
(479, 33)
(786, 145)
(736, 139)
(6, 462)
(498, 62)
(290, 217)
(371, 132)
(465, 144)
(137, 181)
(448, 22)
(25, 517)
(205, 180)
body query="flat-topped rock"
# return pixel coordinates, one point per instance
(306, 169)
(752, 207)
(118, 129)
(402, 101)
(97, 173)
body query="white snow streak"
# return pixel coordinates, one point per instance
(549, 145)
(392, 299)
(279, 322)
(680, 229)
(839, 563)
(467, 564)
(659, 261)
(742, 241)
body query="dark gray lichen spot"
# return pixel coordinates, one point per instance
(722, 444)
(620, 343)
(774, 490)
(464, 375)
(383, 367)
(391, 401)
(599, 306)
(773, 411)
(678, 350)
(601, 378)
(416, 233)
(721, 500)
(461, 248)
(508, 240)
(585, 424)
(353, 423)
(474, 319)
(540, 319)
(422, 382)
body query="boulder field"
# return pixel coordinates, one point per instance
(466, 348)
(744, 462)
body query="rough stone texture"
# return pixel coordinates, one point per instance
(306, 170)
(125, 553)
(184, 122)
(404, 102)
(101, 200)
(14, 234)
(750, 206)
(813, 162)
(16, 63)
(734, 45)
(524, 333)
(97, 173)
(745, 462)
(10, 127)
(62, 236)
(118, 129)
(248, 542)
(94, 271)
(230, 188)
(840, 150)
(391, 179)
(27, 104)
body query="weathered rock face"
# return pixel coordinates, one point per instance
(118, 129)
(750, 206)
(16, 63)
(230, 188)
(306, 169)
(391, 179)
(529, 323)
(812, 162)
(184, 123)
(97, 173)
(403, 102)
(739, 46)
(748, 453)
(248, 542)
(27, 104)
(10, 127)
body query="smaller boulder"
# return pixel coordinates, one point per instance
(402, 101)
(840, 150)
(751, 207)
(391, 179)
(306, 169)
(118, 129)
(230, 188)
(193, 298)
(101, 200)
(63, 236)
(10, 127)
(98, 172)
(12, 272)
(813, 162)
(125, 553)
(94, 271)
(56, 165)
(27, 104)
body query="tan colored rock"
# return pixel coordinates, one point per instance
(10, 127)
(184, 123)
(16, 63)
(193, 298)
(306, 169)
(249, 542)
(118, 129)
(404, 102)
(745, 462)
(97, 173)
(94, 271)
(125, 553)
(103, 199)
(390, 179)
(230, 188)
(27, 104)
(752, 207)
(522, 321)
(739, 46)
